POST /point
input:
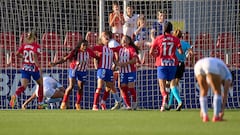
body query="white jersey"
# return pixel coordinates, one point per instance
(113, 43)
(130, 25)
(212, 65)
(49, 86)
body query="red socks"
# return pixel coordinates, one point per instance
(133, 93)
(40, 94)
(19, 90)
(125, 96)
(96, 96)
(65, 98)
(164, 96)
(79, 97)
(105, 95)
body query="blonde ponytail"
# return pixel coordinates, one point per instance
(178, 33)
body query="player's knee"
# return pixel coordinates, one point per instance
(70, 87)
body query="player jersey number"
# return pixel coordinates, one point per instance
(165, 46)
(28, 56)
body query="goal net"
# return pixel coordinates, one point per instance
(212, 27)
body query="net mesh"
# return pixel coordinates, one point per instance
(210, 26)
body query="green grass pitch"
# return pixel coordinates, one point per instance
(88, 122)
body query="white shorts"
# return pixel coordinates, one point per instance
(49, 87)
(48, 92)
(203, 67)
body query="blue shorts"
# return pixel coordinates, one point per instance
(78, 75)
(28, 74)
(126, 78)
(105, 74)
(166, 72)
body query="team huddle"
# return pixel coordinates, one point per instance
(118, 62)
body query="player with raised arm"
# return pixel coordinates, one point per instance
(53, 91)
(166, 59)
(141, 36)
(212, 72)
(78, 70)
(116, 19)
(30, 52)
(130, 24)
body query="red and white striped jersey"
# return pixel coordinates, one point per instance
(166, 45)
(126, 54)
(28, 51)
(106, 56)
(80, 59)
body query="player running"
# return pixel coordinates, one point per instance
(30, 52)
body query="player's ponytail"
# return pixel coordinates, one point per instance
(167, 28)
(177, 33)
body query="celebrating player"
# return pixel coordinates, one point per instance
(104, 71)
(78, 70)
(30, 52)
(113, 44)
(53, 91)
(166, 60)
(214, 72)
(128, 57)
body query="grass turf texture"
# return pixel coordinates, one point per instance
(86, 122)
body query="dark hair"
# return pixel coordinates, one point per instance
(132, 44)
(168, 27)
(162, 11)
(79, 45)
(82, 41)
(109, 33)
